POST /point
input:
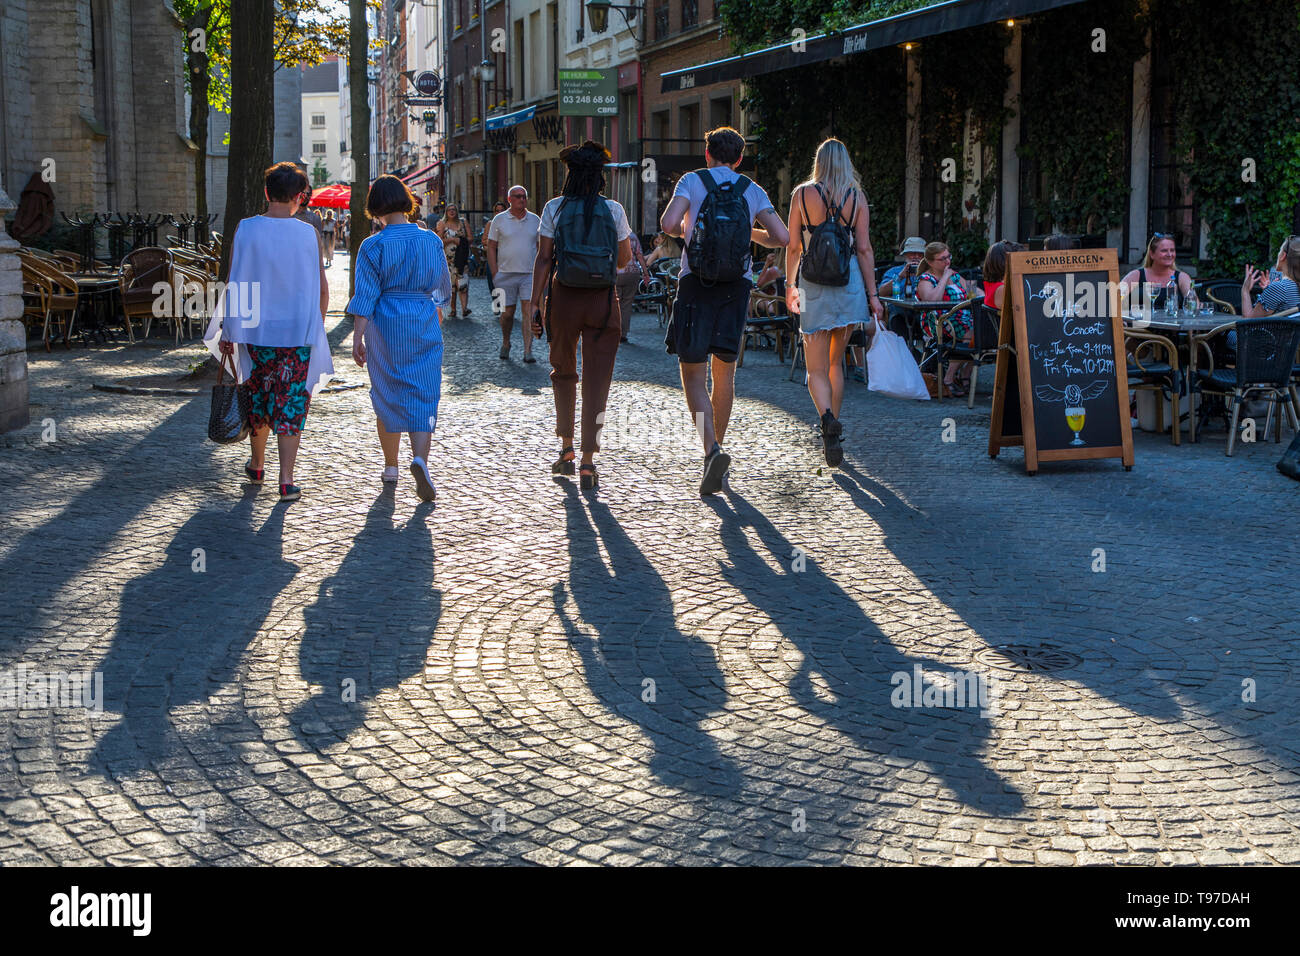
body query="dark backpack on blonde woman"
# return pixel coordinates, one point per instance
(828, 254)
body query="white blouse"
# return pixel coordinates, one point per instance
(272, 295)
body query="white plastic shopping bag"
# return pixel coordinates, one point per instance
(891, 369)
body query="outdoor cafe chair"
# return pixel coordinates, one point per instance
(141, 270)
(1264, 366)
(1152, 364)
(57, 294)
(941, 350)
(983, 347)
(1224, 293)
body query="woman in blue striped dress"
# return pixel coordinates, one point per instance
(402, 283)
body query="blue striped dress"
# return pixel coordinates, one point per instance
(401, 281)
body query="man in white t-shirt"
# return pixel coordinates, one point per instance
(709, 317)
(511, 252)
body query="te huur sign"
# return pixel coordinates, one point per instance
(1061, 389)
(588, 92)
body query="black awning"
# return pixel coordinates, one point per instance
(890, 31)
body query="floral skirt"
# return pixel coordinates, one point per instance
(277, 386)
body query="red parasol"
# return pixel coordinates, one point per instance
(335, 197)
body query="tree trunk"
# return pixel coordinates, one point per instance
(197, 61)
(252, 114)
(359, 83)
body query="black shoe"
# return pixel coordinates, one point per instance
(564, 464)
(715, 467)
(831, 432)
(1290, 466)
(588, 477)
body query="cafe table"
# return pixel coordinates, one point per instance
(1180, 329)
(96, 293)
(913, 308)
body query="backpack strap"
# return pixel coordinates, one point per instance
(710, 184)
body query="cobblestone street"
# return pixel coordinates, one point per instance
(525, 673)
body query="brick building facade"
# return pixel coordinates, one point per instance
(680, 34)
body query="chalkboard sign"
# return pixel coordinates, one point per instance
(1067, 396)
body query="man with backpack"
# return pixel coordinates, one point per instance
(714, 210)
(582, 243)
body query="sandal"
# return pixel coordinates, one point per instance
(529, 359)
(467, 310)
(955, 389)
(504, 354)
(254, 474)
(589, 479)
(564, 464)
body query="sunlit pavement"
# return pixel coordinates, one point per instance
(528, 673)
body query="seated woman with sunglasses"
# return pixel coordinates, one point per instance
(1158, 267)
(1281, 287)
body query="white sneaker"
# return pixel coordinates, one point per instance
(390, 475)
(423, 483)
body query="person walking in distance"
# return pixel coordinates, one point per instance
(583, 243)
(402, 284)
(454, 233)
(511, 254)
(830, 247)
(714, 209)
(270, 321)
(629, 280)
(327, 227)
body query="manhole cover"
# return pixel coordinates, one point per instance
(1028, 657)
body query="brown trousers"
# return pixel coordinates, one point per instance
(578, 315)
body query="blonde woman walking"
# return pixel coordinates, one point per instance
(454, 233)
(833, 269)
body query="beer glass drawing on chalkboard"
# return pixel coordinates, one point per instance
(1073, 396)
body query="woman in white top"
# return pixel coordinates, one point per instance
(454, 233)
(271, 320)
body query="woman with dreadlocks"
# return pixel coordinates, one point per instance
(583, 242)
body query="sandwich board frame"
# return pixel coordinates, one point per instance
(1013, 421)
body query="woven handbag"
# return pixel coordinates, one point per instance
(228, 419)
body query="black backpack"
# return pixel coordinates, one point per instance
(828, 254)
(586, 245)
(720, 238)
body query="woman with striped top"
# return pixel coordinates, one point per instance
(402, 283)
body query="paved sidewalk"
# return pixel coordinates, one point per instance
(524, 673)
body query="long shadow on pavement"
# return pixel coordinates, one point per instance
(843, 647)
(998, 611)
(371, 625)
(631, 610)
(182, 632)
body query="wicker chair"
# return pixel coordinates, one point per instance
(1155, 373)
(56, 293)
(1265, 359)
(1224, 293)
(141, 270)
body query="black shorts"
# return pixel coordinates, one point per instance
(708, 319)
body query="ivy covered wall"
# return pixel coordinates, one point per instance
(1235, 82)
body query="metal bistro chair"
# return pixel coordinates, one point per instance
(983, 347)
(1156, 373)
(1265, 360)
(141, 270)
